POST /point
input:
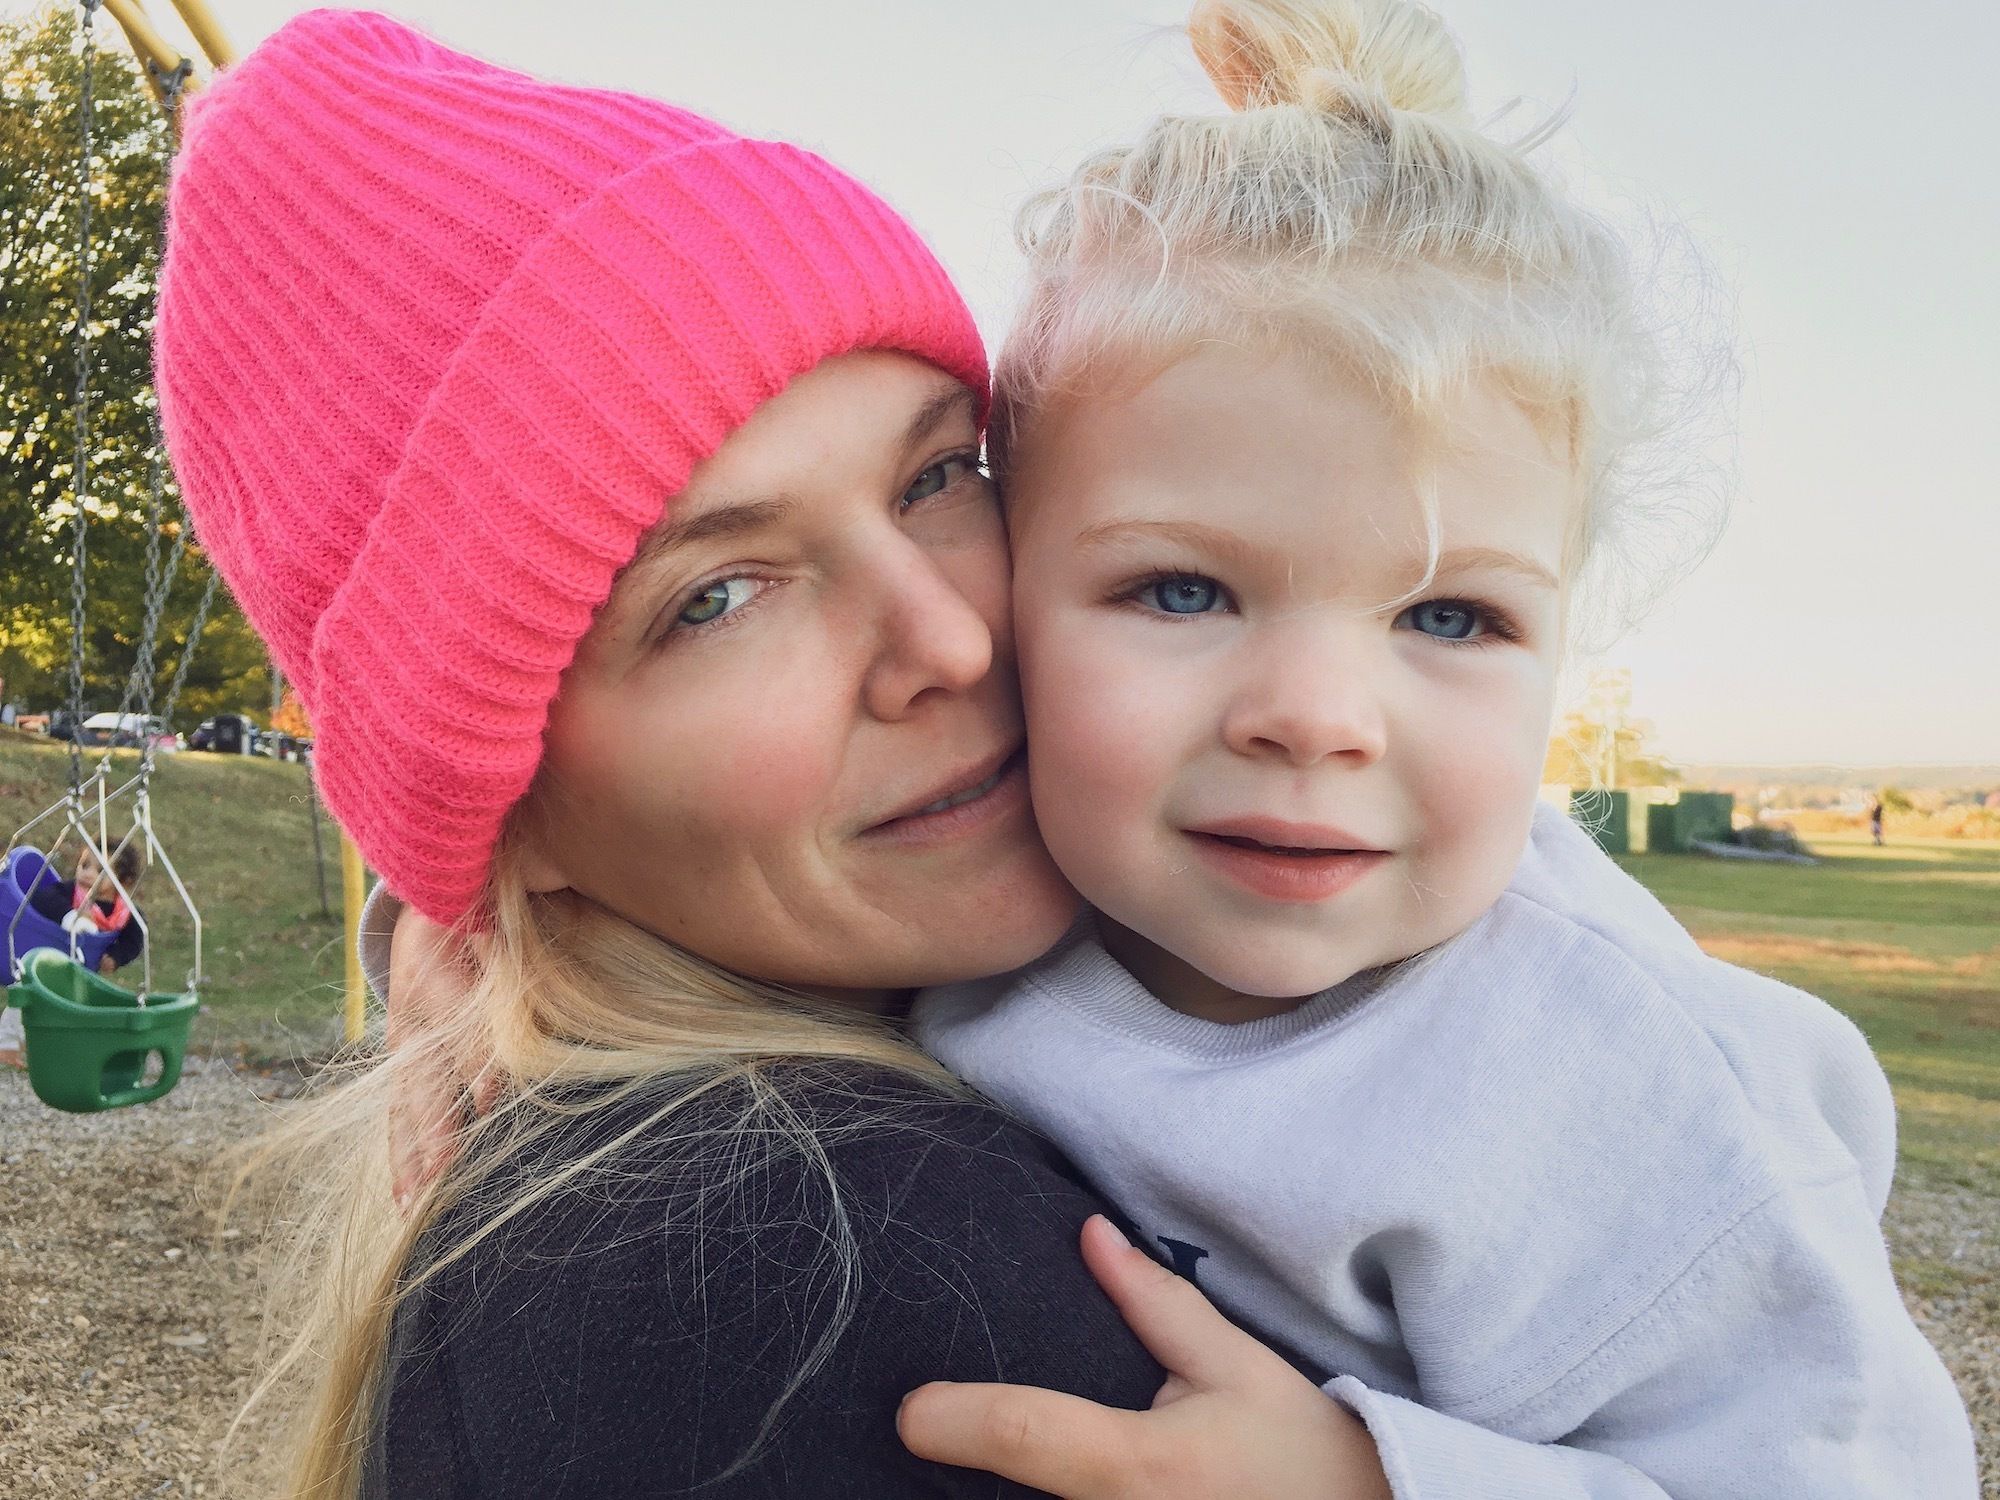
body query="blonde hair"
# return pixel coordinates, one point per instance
(580, 1012)
(1350, 209)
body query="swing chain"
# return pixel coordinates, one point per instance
(159, 582)
(195, 629)
(80, 476)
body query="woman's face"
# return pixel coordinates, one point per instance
(803, 661)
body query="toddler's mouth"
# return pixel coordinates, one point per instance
(1281, 861)
(1283, 837)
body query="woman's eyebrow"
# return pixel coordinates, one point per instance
(719, 521)
(932, 415)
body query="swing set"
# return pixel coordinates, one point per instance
(94, 1044)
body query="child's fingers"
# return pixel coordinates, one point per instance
(1044, 1439)
(1178, 1325)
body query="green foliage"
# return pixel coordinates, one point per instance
(41, 70)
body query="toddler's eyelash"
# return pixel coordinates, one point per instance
(1131, 589)
(1500, 626)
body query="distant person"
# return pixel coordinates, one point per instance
(92, 903)
(8, 713)
(1875, 821)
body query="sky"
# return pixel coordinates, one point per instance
(1838, 164)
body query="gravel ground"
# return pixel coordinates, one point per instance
(126, 1330)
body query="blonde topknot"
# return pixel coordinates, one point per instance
(1265, 53)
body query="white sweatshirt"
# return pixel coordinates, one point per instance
(1562, 1209)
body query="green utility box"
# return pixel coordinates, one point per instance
(1674, 826)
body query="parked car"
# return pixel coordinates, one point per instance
(226, 734)
(129, 731)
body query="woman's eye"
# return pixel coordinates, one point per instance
(1447, 619)
(938, 478)
(1183, 594)
(715, 600)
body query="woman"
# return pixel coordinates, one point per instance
(470, 380)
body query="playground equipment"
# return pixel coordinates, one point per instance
(91, 1043)
(25, 872)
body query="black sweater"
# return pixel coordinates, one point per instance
(633, 1336)
(55, 901)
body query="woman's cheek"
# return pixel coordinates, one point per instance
(762, 763)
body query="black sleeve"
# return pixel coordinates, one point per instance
(127, 945)
(669, 1336)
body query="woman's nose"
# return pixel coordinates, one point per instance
(1308, 702)
(933, 640)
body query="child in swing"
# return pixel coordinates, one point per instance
(92, 903)
(89, 902)
(1318, 416)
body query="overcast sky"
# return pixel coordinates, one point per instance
(1840, 162)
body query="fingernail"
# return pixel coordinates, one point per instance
(1116, 1232)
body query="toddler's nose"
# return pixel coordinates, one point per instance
(1304, 711)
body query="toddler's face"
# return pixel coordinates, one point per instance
(1252, 748)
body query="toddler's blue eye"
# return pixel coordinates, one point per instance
(714, 601)
(1447, 619)
(1188, 594)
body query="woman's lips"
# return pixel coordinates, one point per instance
(1284, 872)
(993, 796)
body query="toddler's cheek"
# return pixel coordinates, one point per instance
(1477, 810)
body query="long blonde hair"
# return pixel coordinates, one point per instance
(566, 994)
(1350, 209)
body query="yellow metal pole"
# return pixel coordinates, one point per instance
(150, 46)
(207, 35)
(352, 894)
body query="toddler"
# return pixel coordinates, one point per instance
(1317, 416)
(93, 903)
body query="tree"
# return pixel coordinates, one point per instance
(41, 70)
(1601, 745)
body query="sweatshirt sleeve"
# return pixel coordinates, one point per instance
(378, 925)
(1781, 1365)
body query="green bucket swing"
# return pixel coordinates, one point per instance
(93, 1045)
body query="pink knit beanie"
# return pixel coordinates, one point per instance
(437, 342)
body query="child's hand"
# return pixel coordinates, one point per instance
(79, 920)
(1233, 1418)
(430, 973)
